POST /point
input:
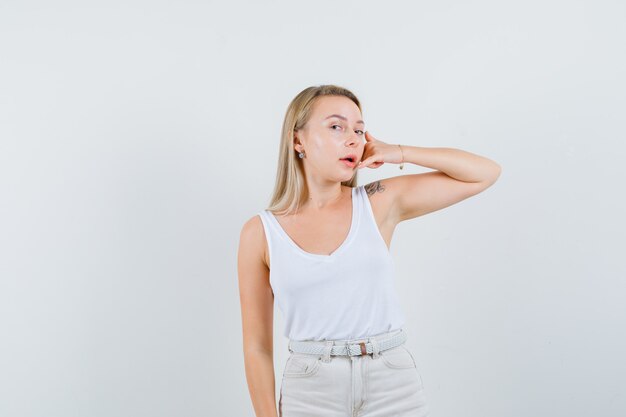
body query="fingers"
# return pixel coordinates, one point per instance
(369, 161)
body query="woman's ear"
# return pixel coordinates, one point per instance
(296, 142)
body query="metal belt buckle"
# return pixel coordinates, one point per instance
(363, 349)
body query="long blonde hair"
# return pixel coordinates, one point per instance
(290, 189)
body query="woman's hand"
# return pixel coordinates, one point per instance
(378, 152)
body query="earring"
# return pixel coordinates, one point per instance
(301, 155)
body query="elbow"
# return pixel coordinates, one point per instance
(494, 174)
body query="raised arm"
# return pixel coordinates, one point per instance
(459, 174)
(257, 310)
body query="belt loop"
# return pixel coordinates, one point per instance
(327, 350)
(375, 348)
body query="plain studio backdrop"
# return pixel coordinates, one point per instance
(138, 137)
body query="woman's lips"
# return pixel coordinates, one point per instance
(348, 163)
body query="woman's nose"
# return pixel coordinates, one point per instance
(352, 139)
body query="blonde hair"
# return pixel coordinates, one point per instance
(290, 189)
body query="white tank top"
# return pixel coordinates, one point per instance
(349, 294)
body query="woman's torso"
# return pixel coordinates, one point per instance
(343, 293)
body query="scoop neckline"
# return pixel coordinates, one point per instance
(340, 248)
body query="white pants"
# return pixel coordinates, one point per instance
(381, 384)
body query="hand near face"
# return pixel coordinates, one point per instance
(377, 152)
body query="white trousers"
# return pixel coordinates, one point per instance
(381, 384)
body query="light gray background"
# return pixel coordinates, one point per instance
(138, 137)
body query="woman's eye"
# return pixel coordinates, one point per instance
(359, 131)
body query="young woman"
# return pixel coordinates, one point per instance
(322, 250)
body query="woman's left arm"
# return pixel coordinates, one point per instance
(458, 175)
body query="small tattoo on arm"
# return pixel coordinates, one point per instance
(374, 187)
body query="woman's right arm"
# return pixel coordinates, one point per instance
(257, 310)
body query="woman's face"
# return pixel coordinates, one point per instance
(334, 131)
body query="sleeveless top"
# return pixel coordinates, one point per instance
(349, 294)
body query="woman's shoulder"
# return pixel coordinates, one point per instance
(252, 241)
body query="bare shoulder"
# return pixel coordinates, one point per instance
(381, 196)
(374, 187)
(252, 241)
